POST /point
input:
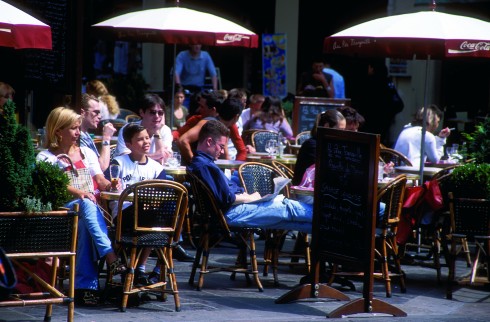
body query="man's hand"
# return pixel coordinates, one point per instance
(108, 131)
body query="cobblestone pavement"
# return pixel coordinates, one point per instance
(223, 299)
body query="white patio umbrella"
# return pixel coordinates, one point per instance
(422, 35)
(175, 25)
(19, 30)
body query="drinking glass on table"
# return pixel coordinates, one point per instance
(452, 153)
(271, 147)
(114, 171)
(174, 160)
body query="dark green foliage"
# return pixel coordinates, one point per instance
(478, 146)
(471, 180)
(16, 160)
(49, 184)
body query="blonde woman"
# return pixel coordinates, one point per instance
(109, 108)
(62, 135)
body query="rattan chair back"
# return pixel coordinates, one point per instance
(260, 138)
(259, 177)
(390, 155)
(469, 217)
(288, 173)
(302, 137)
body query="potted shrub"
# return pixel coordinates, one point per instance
(472, 179)
(27, 185)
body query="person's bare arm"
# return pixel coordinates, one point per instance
(245, 197)
(105, 151)
(187, 139)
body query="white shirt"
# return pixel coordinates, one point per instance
(149, 170)
(90, 160)
(408, 143)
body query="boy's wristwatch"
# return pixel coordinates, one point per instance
(106, 143)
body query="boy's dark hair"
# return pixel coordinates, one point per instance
(131, 130)
(214, 129)
(230, 108)
(150, 100)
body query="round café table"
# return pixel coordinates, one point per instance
(228, 164)
(287, 159)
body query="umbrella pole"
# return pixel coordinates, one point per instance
(173, 92)
(424, 122)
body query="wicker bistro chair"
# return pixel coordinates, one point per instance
(470, 220)
(260, 138)
(302, 137)
(288, 173)
(387, 155)
(159, 209)
(386, 248)
(27, 236)
(258, 177)
(130, 118)
(214, 229)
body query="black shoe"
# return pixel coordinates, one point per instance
(142, 278)
(181, 255)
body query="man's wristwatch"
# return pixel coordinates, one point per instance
(104, 143)
(157, 136)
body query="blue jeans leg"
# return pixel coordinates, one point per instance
(92, 243)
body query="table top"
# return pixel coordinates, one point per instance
(228, 164)
(441, 165)
(110, 195)
(428, 171)
(181, 170)
(286, 158)
(297, 190)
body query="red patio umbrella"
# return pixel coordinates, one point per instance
(421, 35)
(19, 30)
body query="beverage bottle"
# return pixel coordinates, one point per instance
(281, 145)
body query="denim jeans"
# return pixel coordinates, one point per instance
(92, 243)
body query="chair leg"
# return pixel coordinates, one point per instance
(466, 250)
(169, 264)
(253, 262)
(398, 267)
(384, 267)
(204, 261)
(452, 268)
(195, 264)
(128, 280)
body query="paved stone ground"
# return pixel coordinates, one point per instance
(225, 300)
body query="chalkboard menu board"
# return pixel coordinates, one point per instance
(49, 66)
(306, 109)
(345, 193)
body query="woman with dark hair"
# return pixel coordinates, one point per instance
(271, 117)
(307, 153)
(180, 111)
